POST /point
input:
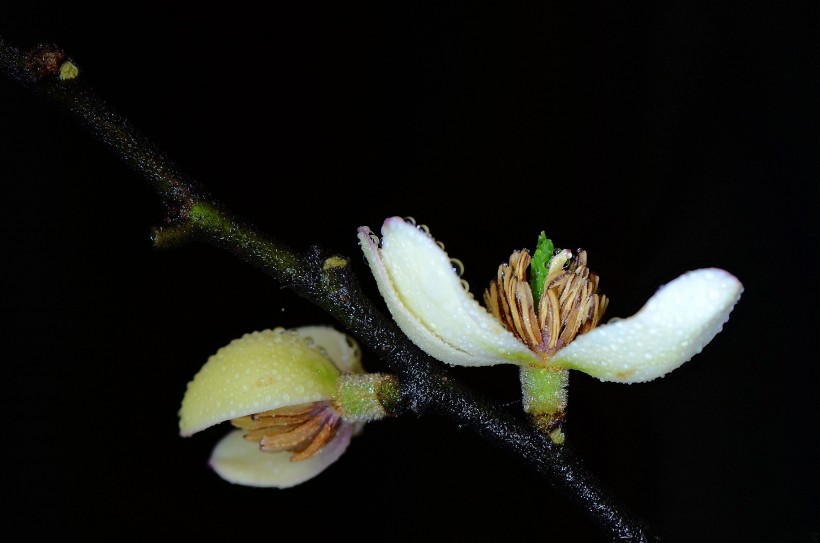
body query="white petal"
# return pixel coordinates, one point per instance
(342, 349)
(240, 461)
(410, 325)
(427, 301)
(255, 373)
(674, 325)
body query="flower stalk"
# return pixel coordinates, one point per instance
(368, 397)
(544, 395)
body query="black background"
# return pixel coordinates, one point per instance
(659, 136)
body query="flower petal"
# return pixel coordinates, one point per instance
(410, 325)
(255, 373)
(674, 325)
(342, 349)
(427, 301)
(240, 461)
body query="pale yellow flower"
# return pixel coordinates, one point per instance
(280, 389)
(427, 300)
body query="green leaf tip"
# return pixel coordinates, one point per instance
(539, 266)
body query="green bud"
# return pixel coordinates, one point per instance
(539, 266)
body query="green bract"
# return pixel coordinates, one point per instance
(539, 266)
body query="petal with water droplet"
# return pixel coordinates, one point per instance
(259, 372)
(342, 349)
(674, 325)
(241, 462)
(427, 301)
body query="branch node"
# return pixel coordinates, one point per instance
(43, 61)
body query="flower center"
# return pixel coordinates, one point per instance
(301, 429)
(570, 304)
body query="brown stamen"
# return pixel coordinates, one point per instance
(322, 437)
(570, 304)
(301, 429)
(509, 298)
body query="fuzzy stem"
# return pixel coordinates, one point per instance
(370, 396)
(326, 280)
(544, 393)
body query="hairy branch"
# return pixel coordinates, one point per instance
(324, 279)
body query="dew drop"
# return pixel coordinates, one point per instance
(423, 228)
(458, 266)
(410, 220)
(440, 245)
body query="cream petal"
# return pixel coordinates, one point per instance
(674, 325)
(342, 349)
(410, 325)
(428, 302)
(255, 373)
(240, 461)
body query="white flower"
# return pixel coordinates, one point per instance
(280, 388)
(426, 298)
